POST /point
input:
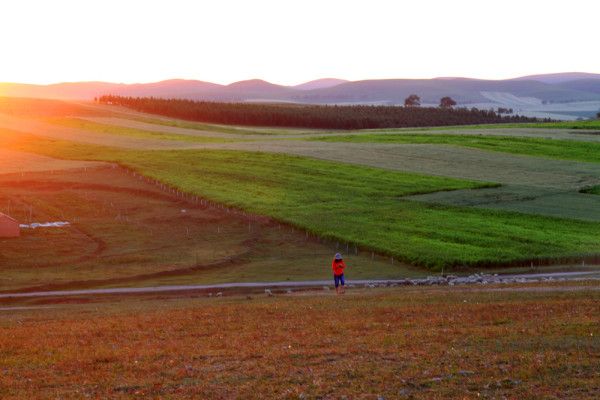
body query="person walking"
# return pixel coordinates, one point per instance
(338, 265)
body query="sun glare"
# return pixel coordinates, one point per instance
(293, 41)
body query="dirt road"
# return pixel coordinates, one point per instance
(291, 284)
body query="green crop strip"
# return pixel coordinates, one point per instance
(549, 148)
(230, 129)
(77, 123)
(351, 203)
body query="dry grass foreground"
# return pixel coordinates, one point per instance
(392, 343)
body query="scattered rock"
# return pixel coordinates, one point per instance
(450, 280)
(127, 389)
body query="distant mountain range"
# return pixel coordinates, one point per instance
(560, 77)
(535, 89)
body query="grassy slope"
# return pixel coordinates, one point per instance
(238, 130)
(355, 204)
(410, 343)
(121, 228)
(588, 124)
(126, 232)
(77, 123)
(550, 148)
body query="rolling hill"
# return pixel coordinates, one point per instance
(588, 85)
(554, 88)
(559, 77)
(463, 90)
(320, 84)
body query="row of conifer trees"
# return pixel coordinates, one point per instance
(311, 116)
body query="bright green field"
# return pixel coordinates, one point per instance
(178, 123)
(352, 203)
(549, 148)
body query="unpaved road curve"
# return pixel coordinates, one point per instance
(265, 285)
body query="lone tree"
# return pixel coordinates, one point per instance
(447, 102)
(412, 101)
(598, 115)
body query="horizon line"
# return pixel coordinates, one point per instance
(286, 85)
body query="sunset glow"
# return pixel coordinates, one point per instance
(291, 42)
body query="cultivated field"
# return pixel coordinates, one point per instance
(441, 198)
(129, 232)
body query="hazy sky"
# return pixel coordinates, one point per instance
(289, 42)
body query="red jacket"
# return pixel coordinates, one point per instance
(338, 267)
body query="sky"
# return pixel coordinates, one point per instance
(290, 41)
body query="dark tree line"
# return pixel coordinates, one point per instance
(311, 116)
